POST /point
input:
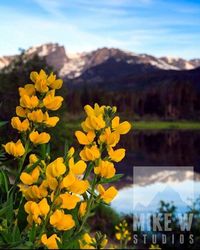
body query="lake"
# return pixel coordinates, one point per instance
(159, 165)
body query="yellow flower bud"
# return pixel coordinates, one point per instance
(15, 149)
(71, 152)
(37, 138)
(96, 111)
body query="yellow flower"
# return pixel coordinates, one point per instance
(15, 149)
(21, 112)
(56, 168)
(51, 242)
(29, 102)
(36, 116)
(79, 186)
(122, 128)
(105, 169)
(50, 121)
(62, 221)
(33, 211)
(87, 241)
(93, 123)
(96, 111)
(90, 154)
(28, 89)
(17, 124)
(77, 168)
(107, 195)
(82, 209)
(37, 138)
(34, 76)
(53, 82)
(110, 138)
(29, 179)
(118, 236)
(85, 139)
(69, 201)
(116, 155)
(52, 183)
(68, 180)
(44, 207)
(51, 101)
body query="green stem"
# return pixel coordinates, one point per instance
(89, 205)
(21, 164)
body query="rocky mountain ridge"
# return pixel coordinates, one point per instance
(72, 66)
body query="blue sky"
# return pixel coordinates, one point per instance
(158, 27)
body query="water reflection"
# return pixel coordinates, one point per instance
(160, 148)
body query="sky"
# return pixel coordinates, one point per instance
(157, 27)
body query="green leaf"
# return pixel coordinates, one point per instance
(4, 181)
(113, 179)
(16, 236)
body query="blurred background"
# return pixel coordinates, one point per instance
(142, 56)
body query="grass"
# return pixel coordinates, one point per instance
(166, 125)
(151, 125)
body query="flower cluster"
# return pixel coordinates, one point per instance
(101, 133)
(122, 233)
(36, 100)
(60, 194)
